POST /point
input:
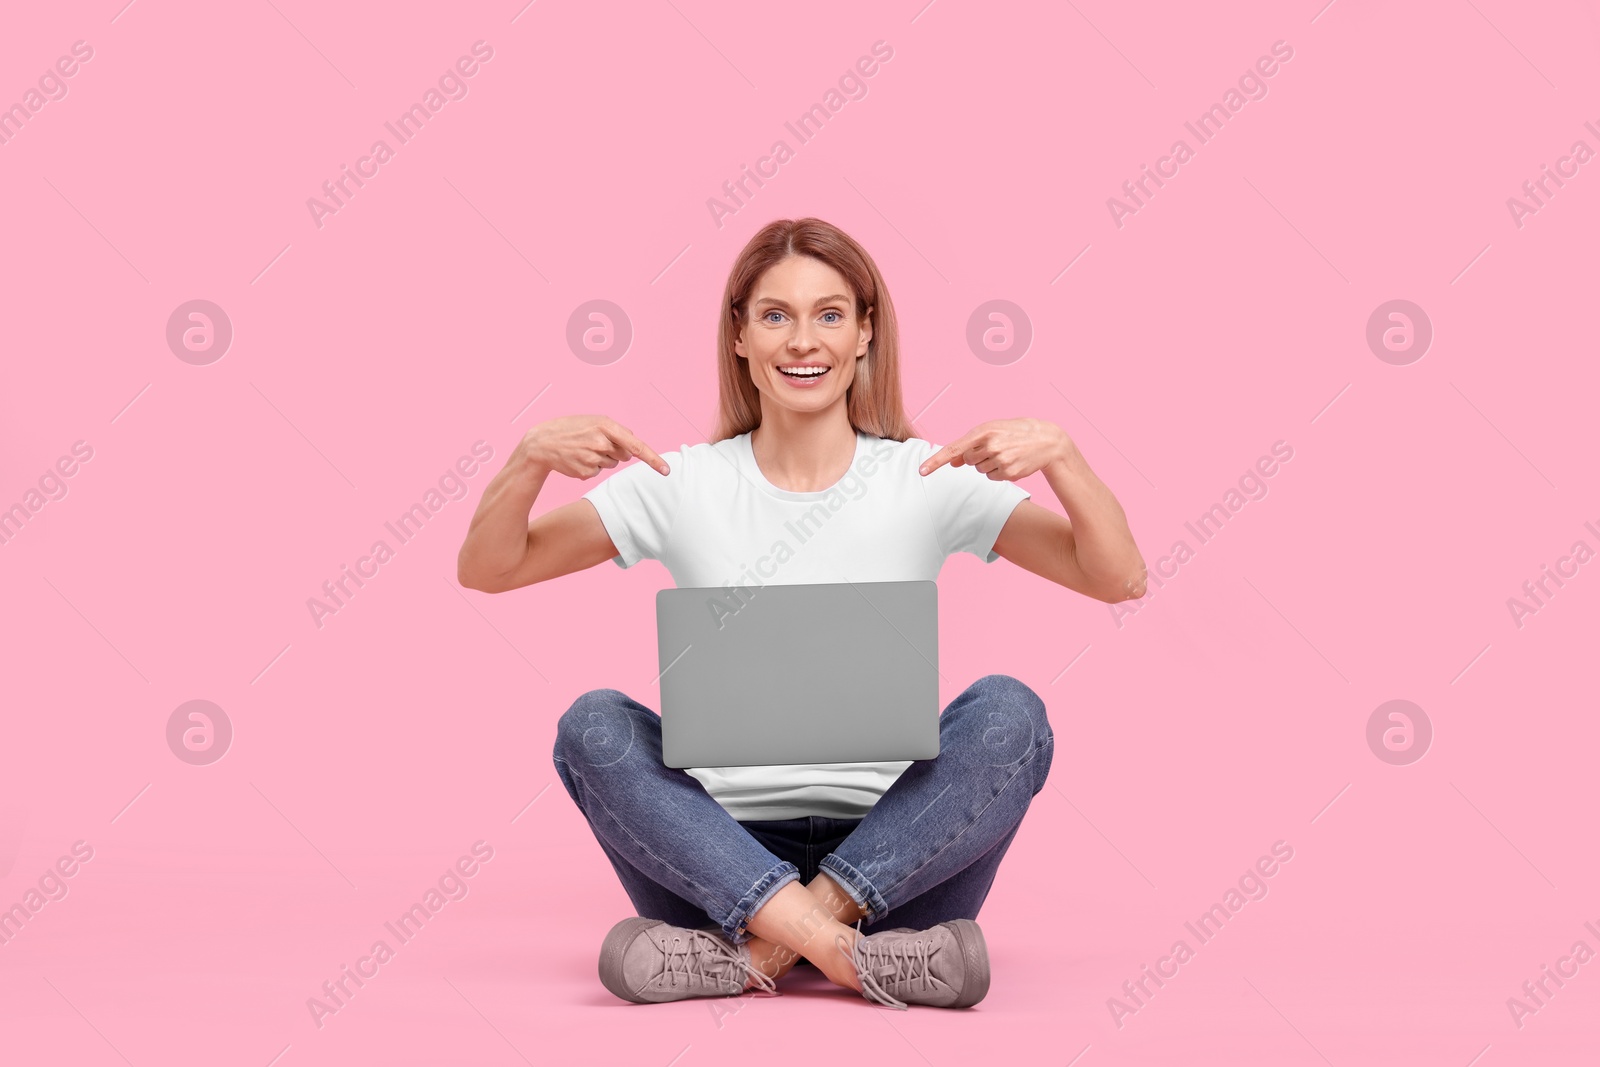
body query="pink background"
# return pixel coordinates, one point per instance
(368, 354)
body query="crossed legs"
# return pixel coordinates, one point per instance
(925, 853)
(804, 920)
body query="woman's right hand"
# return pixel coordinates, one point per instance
(580, 446)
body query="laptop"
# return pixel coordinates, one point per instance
(828, 673)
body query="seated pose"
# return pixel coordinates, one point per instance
(871, 872)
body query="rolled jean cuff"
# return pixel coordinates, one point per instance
(858, 885)
(733, 927)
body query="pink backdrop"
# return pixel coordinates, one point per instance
(350, 356)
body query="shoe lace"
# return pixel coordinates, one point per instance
(702, 955)
(890, 963)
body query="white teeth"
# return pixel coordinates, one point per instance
(804, 372)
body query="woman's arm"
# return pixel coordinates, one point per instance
(503, 550)
(1091, 551)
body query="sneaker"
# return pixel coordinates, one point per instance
(648, 961)
(945, 967)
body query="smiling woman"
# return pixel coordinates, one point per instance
(738, 872)
(808, 296)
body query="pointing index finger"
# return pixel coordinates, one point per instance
(943, 456)
(643, 451)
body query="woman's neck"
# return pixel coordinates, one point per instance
(804, 452)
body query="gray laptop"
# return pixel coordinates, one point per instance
(833, 673)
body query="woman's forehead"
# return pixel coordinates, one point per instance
(803, 279)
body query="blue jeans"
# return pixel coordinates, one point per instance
(925, 853)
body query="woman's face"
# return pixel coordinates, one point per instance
(802, 337)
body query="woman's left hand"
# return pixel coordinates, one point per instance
(1005, 449)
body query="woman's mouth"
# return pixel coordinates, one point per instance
(803, 374)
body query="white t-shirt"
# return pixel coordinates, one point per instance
(716, 522)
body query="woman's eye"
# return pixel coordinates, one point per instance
(769, 315)
(833, 313)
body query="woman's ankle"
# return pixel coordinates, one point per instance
(769, 958)
(837, 960)
(833, 897)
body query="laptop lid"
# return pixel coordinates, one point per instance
(826, 673)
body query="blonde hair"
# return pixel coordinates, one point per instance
(873, 399)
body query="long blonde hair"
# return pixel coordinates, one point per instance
(873, 400)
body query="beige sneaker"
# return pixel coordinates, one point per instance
(648, 961)
(945, 967)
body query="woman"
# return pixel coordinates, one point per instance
(782, 859)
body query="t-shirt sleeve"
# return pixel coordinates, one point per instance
(969, 507)
(637, 506)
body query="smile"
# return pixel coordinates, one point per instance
(803, 373)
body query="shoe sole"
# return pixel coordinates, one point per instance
(615, 947)
(975, 962)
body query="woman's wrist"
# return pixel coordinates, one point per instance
(1068, 461)
(530, 469)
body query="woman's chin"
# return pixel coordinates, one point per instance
(805, 401)
(819, 397)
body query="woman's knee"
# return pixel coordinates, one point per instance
(600, 728)
(1012, 722)
(1016, 700)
